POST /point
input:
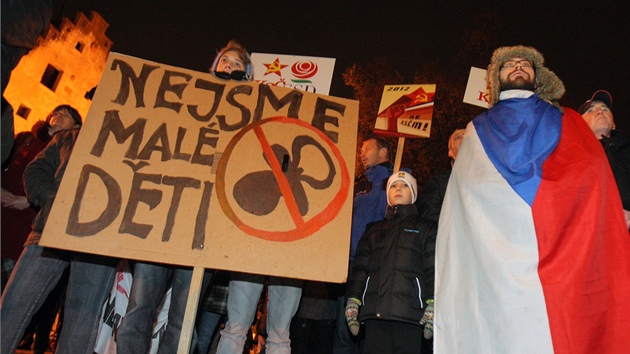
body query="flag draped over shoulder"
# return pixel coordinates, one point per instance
(533, 253)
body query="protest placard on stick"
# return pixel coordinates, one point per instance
(180, 167)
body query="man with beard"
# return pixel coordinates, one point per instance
(531, 250)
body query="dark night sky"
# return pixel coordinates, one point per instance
(587, 47)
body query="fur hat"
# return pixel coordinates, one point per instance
(599, 95)
(548, 85)
(407, 178)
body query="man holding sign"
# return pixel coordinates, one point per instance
(163, 153)
(39, 268)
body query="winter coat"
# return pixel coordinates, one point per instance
(393, 270)
(43, 175)
(617, 149)
(370, 201)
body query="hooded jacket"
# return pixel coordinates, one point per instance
(393, 271)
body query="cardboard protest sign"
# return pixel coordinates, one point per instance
(177, 166)
(405, 111)
(312, 74)
(476, 88)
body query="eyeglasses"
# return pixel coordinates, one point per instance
(237, 75)
(513, 63)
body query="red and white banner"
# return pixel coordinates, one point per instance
(405, 111)
(311, 74)
(476, 88)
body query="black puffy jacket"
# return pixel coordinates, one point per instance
(617, 149)
(393, 272)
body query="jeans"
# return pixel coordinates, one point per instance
(150, 283)
(35, 275)
(244, 292)
(206, 325)
(42, 321)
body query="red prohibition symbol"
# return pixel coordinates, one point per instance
(302, 228)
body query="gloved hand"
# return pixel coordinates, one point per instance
(352, 313)
(427, 320)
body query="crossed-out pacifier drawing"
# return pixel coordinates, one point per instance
(259, 193)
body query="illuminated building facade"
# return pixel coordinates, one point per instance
(62, 68)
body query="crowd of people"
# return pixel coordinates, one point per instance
(521, 247)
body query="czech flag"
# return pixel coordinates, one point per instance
(533, 252)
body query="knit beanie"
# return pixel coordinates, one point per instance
(407, 178)
(548, 85)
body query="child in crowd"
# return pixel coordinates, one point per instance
(390, 289)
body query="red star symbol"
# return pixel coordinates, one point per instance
(275, 67)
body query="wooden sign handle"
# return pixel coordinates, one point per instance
(188, 326)
(399, 152)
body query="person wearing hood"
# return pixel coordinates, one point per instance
(532, 250)
(597, 112)
(244, 289)
(151, 280)
(390, 289)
